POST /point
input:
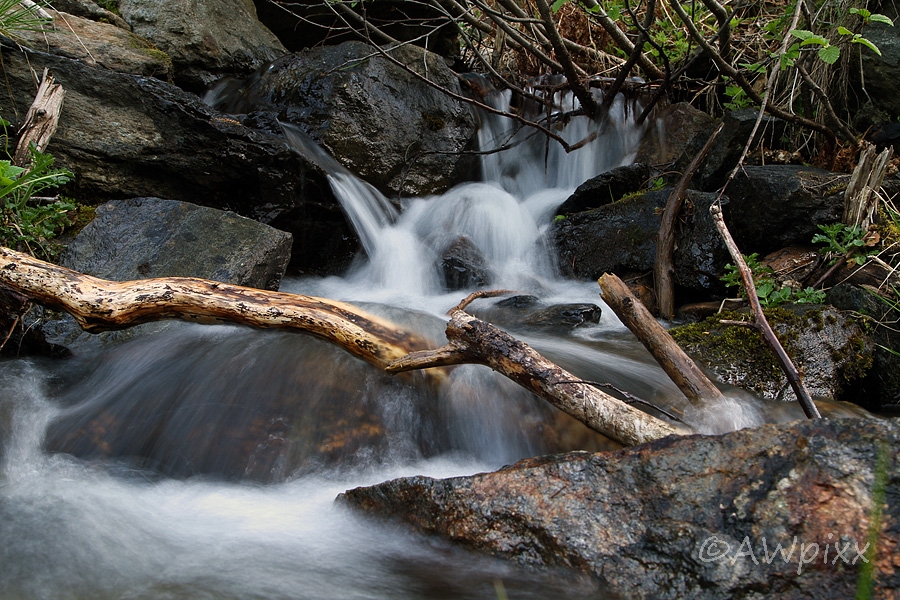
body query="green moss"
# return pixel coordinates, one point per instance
(145, 47)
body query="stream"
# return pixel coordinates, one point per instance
(203, 462)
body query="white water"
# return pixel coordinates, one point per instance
(73, 528)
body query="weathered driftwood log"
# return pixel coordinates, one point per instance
(474, 341)
(101, 305)
(40, 120)
(860, 199)
(760, 323)
(683, 371)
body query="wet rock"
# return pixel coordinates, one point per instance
(205, 39)
(606, 188)
(464, 266)
(684, 517)
(379, 121)
(675, 129)
(621, 237)
(881, 385)
(829, 347)
(527, 312)
(99, 44)
(149, 237)
(127, 136)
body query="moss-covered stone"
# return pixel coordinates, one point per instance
(830, 348)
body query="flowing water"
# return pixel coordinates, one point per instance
(209, 457)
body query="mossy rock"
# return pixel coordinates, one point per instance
(830, 348)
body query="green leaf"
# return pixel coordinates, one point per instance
(815, 40)
(862, 12)
(802, 34)
(867, 44)
(844, 31)
(876, 18)
(830, 54)
(557, 5)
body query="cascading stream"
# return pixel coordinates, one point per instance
(175, 431)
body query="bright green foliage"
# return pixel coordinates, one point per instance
(843, 240)
(829, 53)
(23, 222)
(769, 291)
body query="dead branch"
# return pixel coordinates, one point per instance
(40, 120)
(761, 323)
(101, 305)
(663, 269)
(683, 371)
(474, 341)
(859, 201)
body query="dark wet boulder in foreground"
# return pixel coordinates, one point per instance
(685, 517)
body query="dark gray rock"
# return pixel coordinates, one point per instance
(830, 348)
(684, 517)
(881, 385)
(621, 237)
(463, 266)
(127, 136)
(727, 147)
(774, 206)
(606, 188)
(378, 120)
(206, 39)
(881, 73)
(90, 10)
(528, 313)
(149, 237)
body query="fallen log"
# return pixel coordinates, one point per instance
(101, 305)
(473, 341)
(683, 371)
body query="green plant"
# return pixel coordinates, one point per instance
(15, 16)
(770, 292)
(25, 222)
(829, 53)
(845, 241)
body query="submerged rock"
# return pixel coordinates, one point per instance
(684, 517)
(463, 265)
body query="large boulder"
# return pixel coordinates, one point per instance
(781, 511)
(675, 130)
(129, 136)
(150, 237)
(206, 39)
(378, 119)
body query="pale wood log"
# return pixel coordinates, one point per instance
(760, 321)
(101, 305)
(475, 341)
(683, 371)
(663, 266)
(41, 119)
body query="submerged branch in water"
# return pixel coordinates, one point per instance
(474, 341)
